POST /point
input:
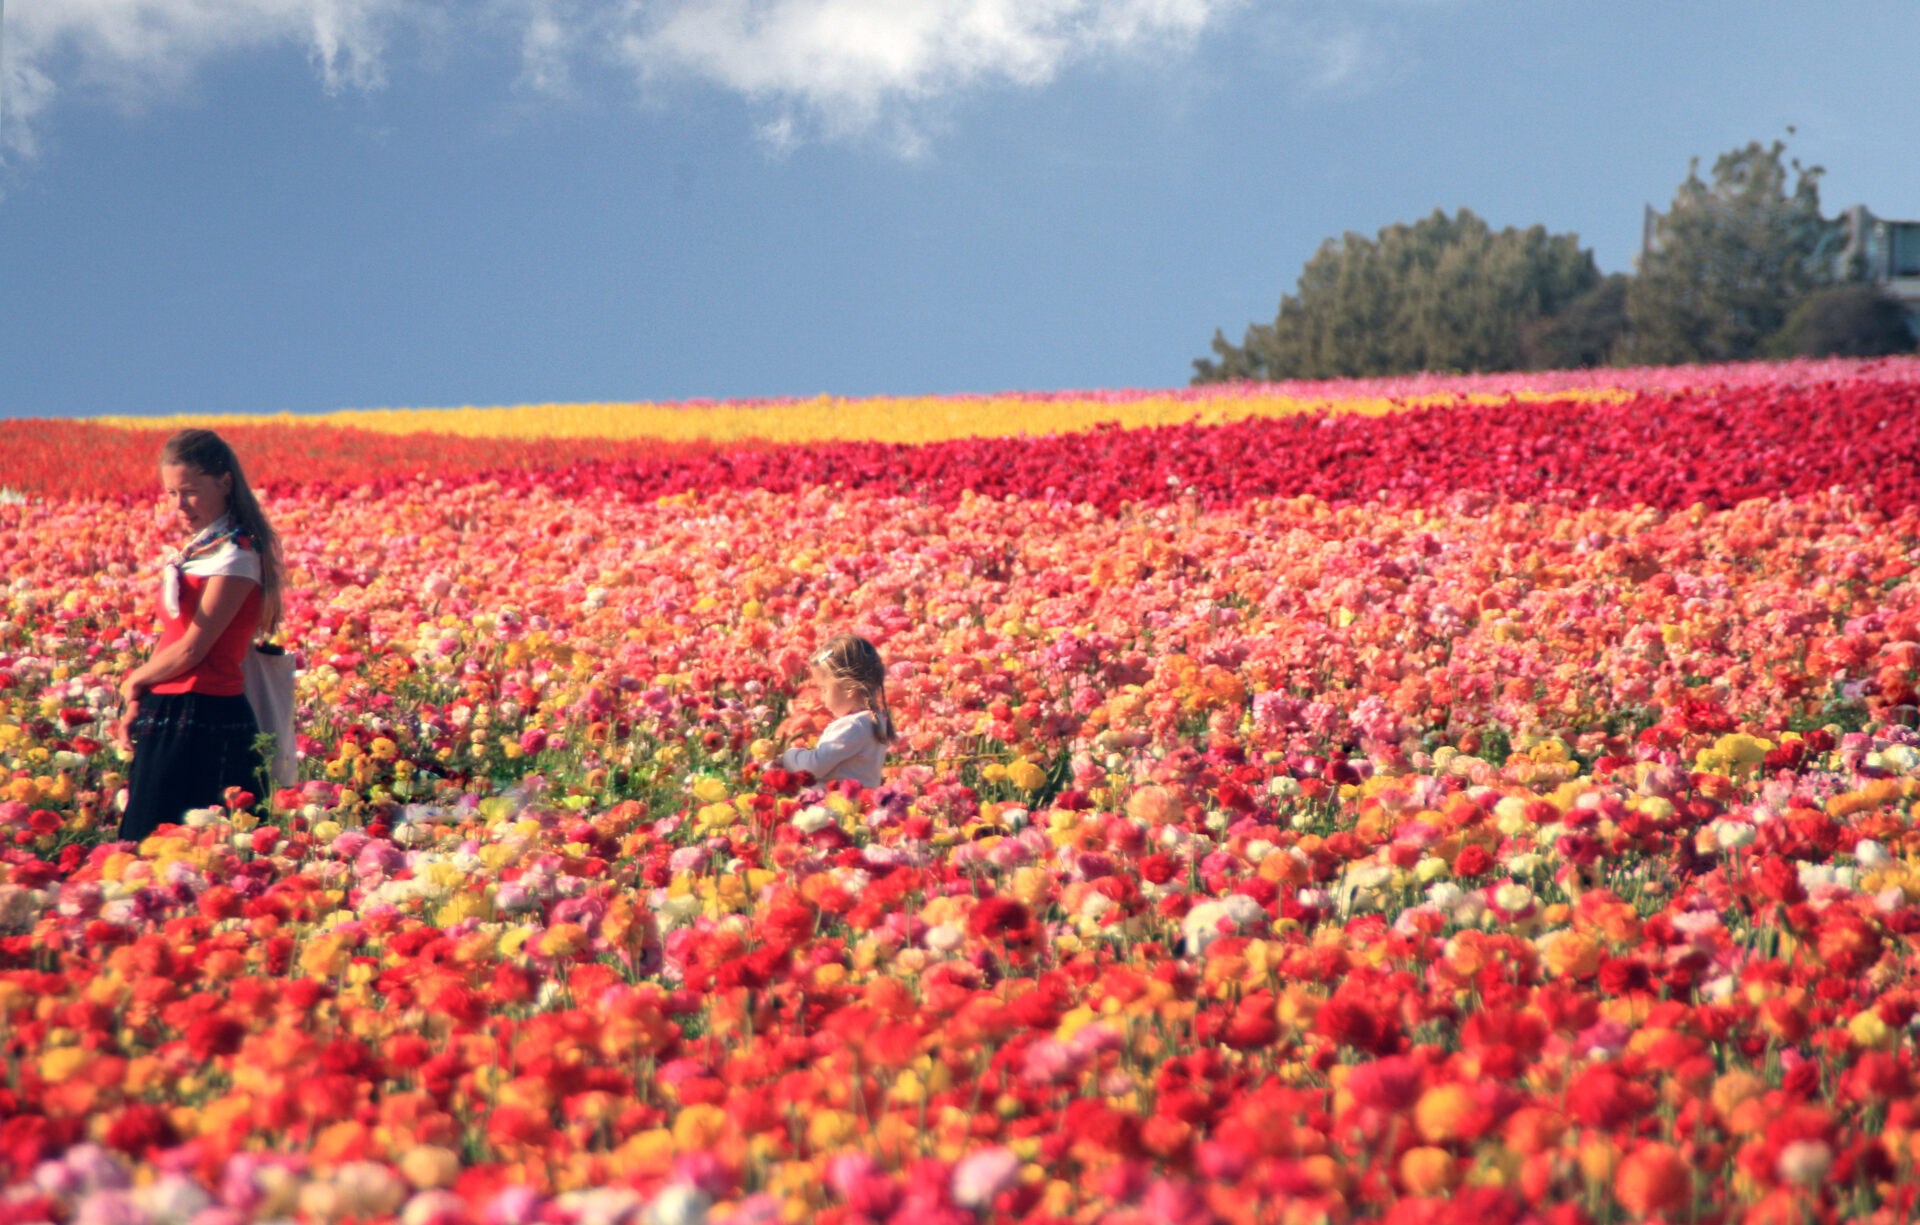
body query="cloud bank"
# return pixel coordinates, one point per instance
(813, 67)
(134, 52)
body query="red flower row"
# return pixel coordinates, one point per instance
(1716, 449)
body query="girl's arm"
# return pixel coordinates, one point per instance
(219, 604)
(836, 745)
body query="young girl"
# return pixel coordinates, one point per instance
(186, 713)
(853, 683)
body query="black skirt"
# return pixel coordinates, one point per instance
(188, 748)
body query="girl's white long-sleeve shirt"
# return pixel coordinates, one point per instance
(849, 748)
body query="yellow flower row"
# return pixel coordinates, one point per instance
(880, 418)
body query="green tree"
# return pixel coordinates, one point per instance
(1855, 320)
(1728, 261)
(1445, 293)
(1587, 331)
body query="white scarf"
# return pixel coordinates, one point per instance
(213, 551)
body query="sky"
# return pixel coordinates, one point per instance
(302, 205)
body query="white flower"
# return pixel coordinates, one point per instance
(1470, 910)
(369, 1189)
(1513, 897)
(17, 908)
(1870, 854)
(1731, 835)
(1202, 925)
(1804, 1163)
(174, 1200)
(600, 1206)
(679, 1204)
(1445, 894)
(429, 1206)
(1902, 757)
(945, 937)
(812, 820)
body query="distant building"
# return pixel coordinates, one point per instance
(1882, 252)
(1886, 253)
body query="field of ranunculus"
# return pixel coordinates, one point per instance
(1492, 805)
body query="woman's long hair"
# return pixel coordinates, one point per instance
(207, 452)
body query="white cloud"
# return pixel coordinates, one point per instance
(132, 52)
(811, 68)
(853, 65)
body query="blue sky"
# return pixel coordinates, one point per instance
(266, 205)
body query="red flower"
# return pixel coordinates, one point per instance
(1390, 1084)
(139, 1128)
(1780, 880)
(998, 918)
(1252, 1024)
(1358, 1024)
(214, 1034)
(1601, 1097)
(1472, 861)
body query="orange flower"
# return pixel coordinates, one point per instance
(1651, 1179)
(1428, 1171)
(1445, 1112)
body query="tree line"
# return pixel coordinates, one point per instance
(1740, 266)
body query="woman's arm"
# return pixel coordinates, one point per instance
(219, 604)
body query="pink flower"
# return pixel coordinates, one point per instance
(981, 1175)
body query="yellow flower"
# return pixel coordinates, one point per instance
(715, 817)
(709, 790)
(462, 907)
(1026, 775)
(62, 1062)
(1868, 1029)
(563, 940)
(881, 418)
(829, 1129)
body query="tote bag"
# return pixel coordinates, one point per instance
(269, 674)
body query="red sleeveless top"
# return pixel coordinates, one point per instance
(219, 674)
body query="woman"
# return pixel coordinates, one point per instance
(185, 710)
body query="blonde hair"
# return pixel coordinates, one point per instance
(851, 658)
(206, 452)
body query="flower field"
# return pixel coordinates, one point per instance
(1461, 800)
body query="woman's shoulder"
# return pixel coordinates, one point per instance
(233, 557)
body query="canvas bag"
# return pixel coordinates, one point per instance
(269, 674)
